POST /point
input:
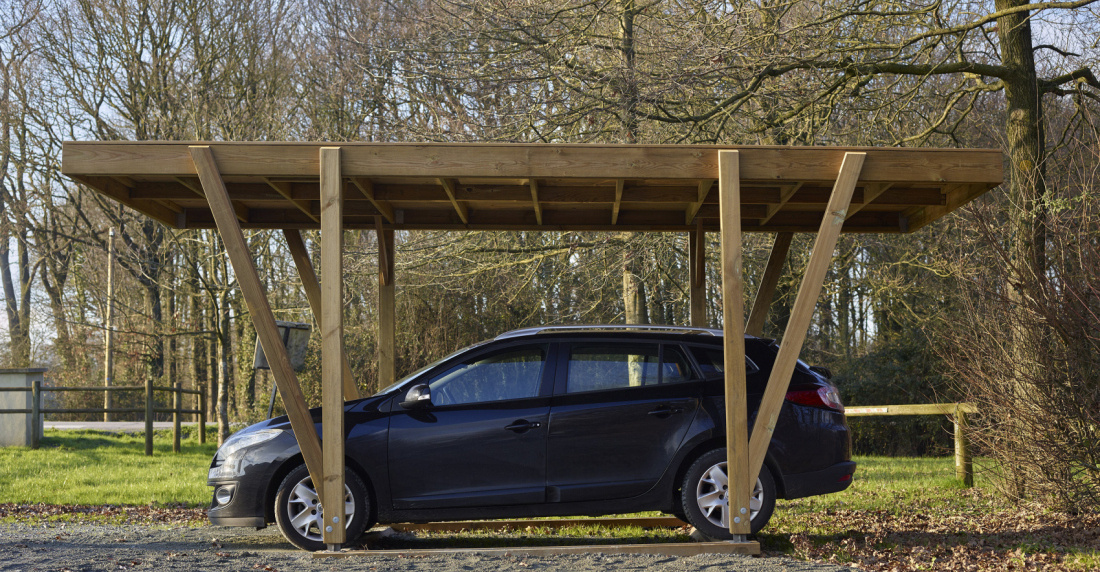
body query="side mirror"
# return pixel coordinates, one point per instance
(418, 397)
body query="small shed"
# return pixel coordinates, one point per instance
(695, 189)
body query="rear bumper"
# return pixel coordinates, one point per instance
(830, 480)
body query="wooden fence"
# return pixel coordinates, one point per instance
(964, 467)
(37, 411)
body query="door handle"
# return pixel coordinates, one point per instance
(664, 411)
(523, 425)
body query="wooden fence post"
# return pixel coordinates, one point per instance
(36, 411)
(964, 467)
(177, 404)
(149, 416)
(202, 414)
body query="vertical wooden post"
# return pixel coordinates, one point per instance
(697, 270)
(177, 405)
(733, 320)
(387, 371)
(149, 415)
(266, 331)
(332, 345)
(202, 415)
(36, 412)
(109, 333)
(768, 282)
(964, 466)
(795, 334)
(312, 287)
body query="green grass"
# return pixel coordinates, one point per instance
(95, 468)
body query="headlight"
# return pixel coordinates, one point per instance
(242, 440)
(232, 456)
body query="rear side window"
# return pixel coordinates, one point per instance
(713, 364)
(600, 366)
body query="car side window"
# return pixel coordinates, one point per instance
(599, 366)
(712, 362)
(511, 374)
(674, 365)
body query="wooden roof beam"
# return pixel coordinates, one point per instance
(784, 195)
(366, 187)
(693, 208)
(460, 207)
(283, 188)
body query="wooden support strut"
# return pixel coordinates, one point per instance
(312, 286)
(332, 345)
(733, 315)
(256, 300)
(763, 301)
(697, 269)
(387, 370)
(795, 334)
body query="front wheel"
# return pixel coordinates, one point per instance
(704, 496)
(298, 509)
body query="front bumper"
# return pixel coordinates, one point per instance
(245, 508)
(829, 480)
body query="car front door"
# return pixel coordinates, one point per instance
(619, 414)
(482, 441)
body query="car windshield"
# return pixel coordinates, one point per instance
(420, 371)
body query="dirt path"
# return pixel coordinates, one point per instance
(83, 547)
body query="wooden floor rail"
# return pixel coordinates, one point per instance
(964, 466)
(36, 411)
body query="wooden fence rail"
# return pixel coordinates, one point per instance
(964, 466)
(37, 411)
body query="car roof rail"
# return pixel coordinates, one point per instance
(610, 328)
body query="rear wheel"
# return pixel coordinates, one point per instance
(298, 509)
(704, 496)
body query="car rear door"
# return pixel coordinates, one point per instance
(483, 441)
(619, 413)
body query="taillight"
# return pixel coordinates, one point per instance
(816, 396)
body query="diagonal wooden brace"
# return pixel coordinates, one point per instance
(795, 334)
(256, 299)
(312, 287)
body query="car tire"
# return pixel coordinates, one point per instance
(704, 499)
(298, 514)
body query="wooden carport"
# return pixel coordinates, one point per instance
(533, 187)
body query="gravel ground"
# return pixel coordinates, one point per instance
(86, 547)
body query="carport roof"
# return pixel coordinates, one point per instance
(511, 186)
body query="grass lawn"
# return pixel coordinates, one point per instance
(92, 468)
(899, 513)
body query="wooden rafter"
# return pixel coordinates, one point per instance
(693, 208)
(460, 207)
(785, 195)
(366, 187)
(283, 188)
(795, 333)
(260, 309)
(870, 193)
